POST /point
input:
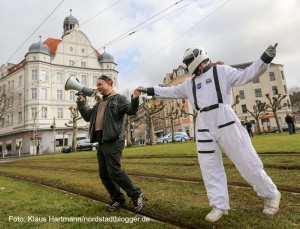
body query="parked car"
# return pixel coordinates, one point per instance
(66, 149)
(179, 137)
(85, 144)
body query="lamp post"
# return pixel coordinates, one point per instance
(34, 135)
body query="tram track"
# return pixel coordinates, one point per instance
(152, 176)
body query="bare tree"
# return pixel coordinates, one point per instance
(127, 93)
(236, 101)
(173, 113)
(274, 105)
(194, 116)
(294, 93)
(258, 109)
(76, 117)
(150, 110)
(6, 102)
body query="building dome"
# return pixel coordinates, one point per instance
(71, 20)
(69, 23)
(40, 48)
(105, 57)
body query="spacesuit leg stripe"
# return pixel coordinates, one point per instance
(210, 151)
(210, 140)
(226, 124)
(203, 130)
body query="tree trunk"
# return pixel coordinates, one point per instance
(128, 132)
(277, 122)
(257, 125)
(151, 129)
(173, 132)
(74, 139)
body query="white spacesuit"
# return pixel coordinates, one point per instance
(218, 126)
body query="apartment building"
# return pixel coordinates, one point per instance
(272, 82)
(35, 90)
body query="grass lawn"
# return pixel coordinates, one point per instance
(28, 205)
(181, 202)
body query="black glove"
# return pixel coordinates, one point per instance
(142, 89)
(271, 51)
(269, 54)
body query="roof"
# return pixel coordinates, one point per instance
(39, 47)
(17, 67)
(72, 20)
(52, 44)
(105, 57)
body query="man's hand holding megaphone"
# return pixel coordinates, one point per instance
(80, 96)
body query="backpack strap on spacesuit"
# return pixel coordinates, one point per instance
(217, 85)
(194, 93)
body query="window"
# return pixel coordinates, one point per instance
(59, 113)
(282, 75)
(11, 102)
(278, 104)
(72, 95)
(107, 66)
(71, 62)
(82, 50)
(242, 94)
(43, 77)
(12, 84)
(11, 119)
(44, 112)
(20, 81)
(95, 80)
(33, 112)
(83, 64)
(59, 78)
(71, 49)
(244, 108)
(8, 86)
(183, 101)
(44, 93)
(83, 79)
(285, 89)
(256, 80)
(33, 93)
(20, 99)
(274, 90)
(59, 95)
(20, 117)
(34, 74)
(258, 92)
(272, 76)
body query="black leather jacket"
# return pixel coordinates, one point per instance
(114, 116)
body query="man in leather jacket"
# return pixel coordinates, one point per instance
(107, 127)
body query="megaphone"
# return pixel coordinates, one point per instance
(73, 84)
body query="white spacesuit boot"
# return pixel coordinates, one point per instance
(215, 214)
(272, 205)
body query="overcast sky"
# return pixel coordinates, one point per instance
(234, 31)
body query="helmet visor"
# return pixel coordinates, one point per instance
(188, 60)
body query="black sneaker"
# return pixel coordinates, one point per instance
(138, 203)
(116, 205)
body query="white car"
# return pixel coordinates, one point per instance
(179, 137)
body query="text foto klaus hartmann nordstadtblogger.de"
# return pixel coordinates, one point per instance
(81, 219)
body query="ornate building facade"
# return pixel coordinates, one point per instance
(36, 95)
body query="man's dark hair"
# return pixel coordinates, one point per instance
(106, 78)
